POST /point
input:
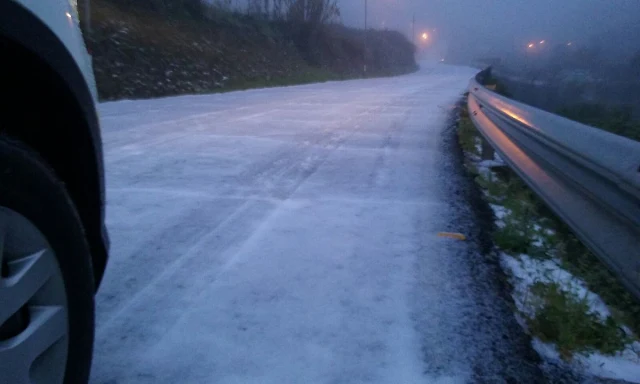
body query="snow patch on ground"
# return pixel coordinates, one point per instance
(484, 167)
(500, 213)
(526, 271)
(624, 366)
(491, 163)
(478, 144)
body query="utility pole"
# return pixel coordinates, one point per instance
(87, 16)
(365, 37)
(413, 30)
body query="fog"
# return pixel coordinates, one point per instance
(468, 29)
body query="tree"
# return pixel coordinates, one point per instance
(322, 11)
(634, 65)
(315, 12)
(254, 7)
(267, 8)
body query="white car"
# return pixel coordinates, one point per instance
(53, 242)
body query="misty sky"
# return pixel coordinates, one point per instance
(495, 27)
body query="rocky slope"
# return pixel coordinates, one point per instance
(140, 54)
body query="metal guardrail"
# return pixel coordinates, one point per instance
(590, 178)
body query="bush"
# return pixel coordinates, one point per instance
(498, 86)
(618, 120)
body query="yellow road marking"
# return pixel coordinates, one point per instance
(457, 236)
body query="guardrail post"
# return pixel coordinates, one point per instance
(488, 153)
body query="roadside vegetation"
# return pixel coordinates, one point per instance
(581, 82)
(618, 120)
(563, 294)
(156, 48)
(496, 85)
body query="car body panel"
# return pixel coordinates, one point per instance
(49, 30)
(61, 16)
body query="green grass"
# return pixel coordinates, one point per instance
(564, 319)
(513, 238)
(312, 75)
(467, 134)
(531, 228)
(519, 231)
(580, 261)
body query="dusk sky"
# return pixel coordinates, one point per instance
(485, 27)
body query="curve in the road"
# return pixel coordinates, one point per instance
(288, 235)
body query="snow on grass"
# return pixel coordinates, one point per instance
(531, 276)
(491, 163)
(478, 144)
(486, 173)
(624, 366)
(485, 167)
(526, 271)
(500, 213)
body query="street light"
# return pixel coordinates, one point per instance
(542, 41)
(425, 36)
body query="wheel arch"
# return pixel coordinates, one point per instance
(47, 105)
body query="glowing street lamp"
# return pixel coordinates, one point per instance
(542, 41)
(531, 45)
(425, 36)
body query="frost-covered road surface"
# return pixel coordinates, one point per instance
(288, 235)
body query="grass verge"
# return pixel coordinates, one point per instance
(568, 322)
(313, 75)
(525, 227)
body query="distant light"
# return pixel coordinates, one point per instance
(441, 59)
(68, 15)
(541, 41)
(425, 36)
(531, 45)
(569, 43)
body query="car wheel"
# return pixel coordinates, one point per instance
(46, 280)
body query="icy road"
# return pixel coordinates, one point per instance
(289, 235)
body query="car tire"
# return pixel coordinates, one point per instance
(30, 191)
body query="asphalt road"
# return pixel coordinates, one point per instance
(289, 235)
